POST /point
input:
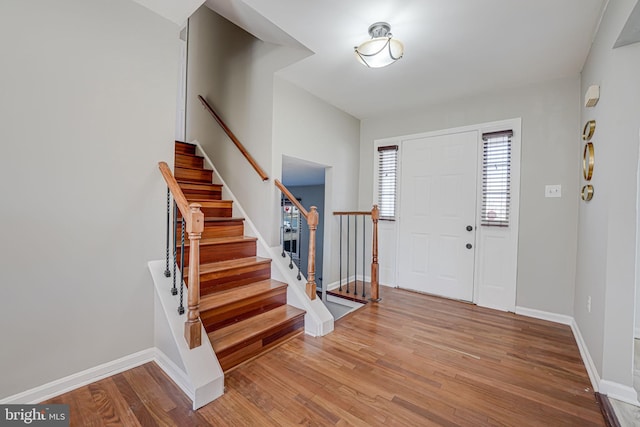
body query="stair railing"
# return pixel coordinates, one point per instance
(311, 217)
(193, 220)
(235, 140)
(345, 261)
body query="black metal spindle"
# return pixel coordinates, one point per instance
(167, 273)
(355, 255)
(174, 290)
(348, 253)
(291, 237)
(364, 244)
(299, 246)
(181, 306)
(282, 219)
(340, 262)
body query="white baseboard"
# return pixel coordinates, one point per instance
(586, 357)
(74, 381)
(174, 372)
(544, 315)
(619, 392)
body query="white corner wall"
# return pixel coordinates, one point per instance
(607, 257)
(234, 71)
(88, 103)
(550, 140)
(308, 128)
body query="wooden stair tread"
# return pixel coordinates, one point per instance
(215, 267)
(222, 219)
(193, 169)
(251, 328)
(223, 240)
(229, 296)
(191, 185)
(209, 202)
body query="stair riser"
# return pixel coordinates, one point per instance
(184, 161)
(219, 229)
(240, 310)
(244, 351)
(223, 252)
(183, 148)
(202, 194)
(233, 278)
(196, 175)
(224, 211)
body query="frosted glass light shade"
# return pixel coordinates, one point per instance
(382, 49)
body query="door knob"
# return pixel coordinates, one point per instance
(469, 246)
(469, 228)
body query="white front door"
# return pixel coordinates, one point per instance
(437, 215)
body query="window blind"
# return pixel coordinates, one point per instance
(387, 178)
(496, 178)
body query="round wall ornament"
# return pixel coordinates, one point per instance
(589, 130)
(588, 160)
(587, 192)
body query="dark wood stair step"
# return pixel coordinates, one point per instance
(193, 175)
(218, 276)
(184, 148)
(189, 161)
(233, 305)
(213, 208)
(216, 249)
(201, 189)
(241, 341)
(220, 227)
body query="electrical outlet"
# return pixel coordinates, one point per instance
(589, 304)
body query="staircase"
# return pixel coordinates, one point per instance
(243, 310)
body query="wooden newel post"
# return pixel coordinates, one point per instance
(312, 221)
(193, 327)
(375, 216)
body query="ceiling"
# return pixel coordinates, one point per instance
(453, 48)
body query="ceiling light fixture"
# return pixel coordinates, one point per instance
(382, 49)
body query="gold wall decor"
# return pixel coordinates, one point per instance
(587, 192)
(589, 130)
(587, 161)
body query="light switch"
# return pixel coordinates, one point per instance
(553, 191)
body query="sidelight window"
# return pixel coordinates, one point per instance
(496, 178)
(387, 181)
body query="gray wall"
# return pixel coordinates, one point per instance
(234, 71)
(88, 103)
(606, 260)
(550, 140)
(311, 195)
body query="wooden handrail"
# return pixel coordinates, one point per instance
(364, 213)
(312, 217)
(235, 140)
(291, 197)
(194, 221)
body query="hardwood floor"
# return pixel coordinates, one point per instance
(410, 360)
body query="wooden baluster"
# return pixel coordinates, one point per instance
(312, 221)
(375, 216)
(192, 327)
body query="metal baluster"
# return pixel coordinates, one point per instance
(364, 244)
(174, 290)
(299, 246)
(348, 253)
(355, 255)
(282, 217)
(340, 262)
(181, 306)
(291, 238)
(167, 273)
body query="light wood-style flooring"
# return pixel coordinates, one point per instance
(410, 360)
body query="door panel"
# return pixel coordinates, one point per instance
(437, 202)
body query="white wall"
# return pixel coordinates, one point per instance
(234, 71)
(607, 228)
(550, 139)
(87, 107)
(307, 128)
